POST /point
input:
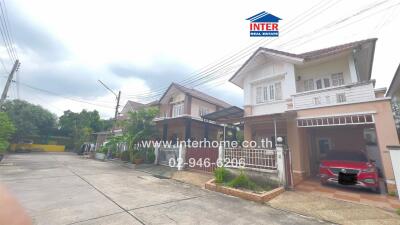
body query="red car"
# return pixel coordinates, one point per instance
(350, 168)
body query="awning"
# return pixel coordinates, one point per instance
(228, 115)
(337, 120)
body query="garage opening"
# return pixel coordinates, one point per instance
(341, 133)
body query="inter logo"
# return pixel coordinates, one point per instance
(264, 24)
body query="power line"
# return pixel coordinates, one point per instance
(330, 25)
(61, 96)
(238, 56)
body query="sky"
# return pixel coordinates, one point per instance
(140, 47)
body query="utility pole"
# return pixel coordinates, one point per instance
(117, 96)
(116, 108)
(9, 80)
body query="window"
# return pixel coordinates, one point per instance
(177, 110)
(258, 94)
(319, 84)
(337, 79)
(271, 92)
(317, 100)
(327, 82)
(268, 92)
(278, 91)
(309, 85)
(265, 89)
(203, 111)
(340, 97)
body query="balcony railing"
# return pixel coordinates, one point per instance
(351, 93)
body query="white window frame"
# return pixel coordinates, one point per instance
(337, 79)
(309, 85)
(177, 109)
(267, 92)
(203, 111)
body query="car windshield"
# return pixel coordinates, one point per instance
(347, 156)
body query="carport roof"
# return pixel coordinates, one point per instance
(233, 113)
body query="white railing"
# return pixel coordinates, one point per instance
(351, 93)
(259, 159)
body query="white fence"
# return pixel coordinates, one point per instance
(259, 159)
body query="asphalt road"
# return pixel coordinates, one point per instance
(62, 188)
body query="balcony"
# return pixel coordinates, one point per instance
(350, 93)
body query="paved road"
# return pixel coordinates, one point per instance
(62, 188)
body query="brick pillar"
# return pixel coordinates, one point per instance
(206, 130)
(165, 131)
(188, 129)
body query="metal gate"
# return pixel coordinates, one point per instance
(166, 154)
(204, 159)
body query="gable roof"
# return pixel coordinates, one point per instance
(264, 17)
(197, 94)
(395, 84)
(132, 105)
(311, 55)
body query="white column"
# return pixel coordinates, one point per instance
(181, 157)
(280, 163)
(221, 153)
(156, 151)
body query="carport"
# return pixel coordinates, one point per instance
(344, 132)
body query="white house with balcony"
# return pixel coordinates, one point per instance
(318, 101)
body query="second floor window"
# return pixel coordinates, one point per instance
(203, 111)
(177, 110)
(309, 85)
(268, 92)
(337, 79)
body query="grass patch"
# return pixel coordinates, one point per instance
(242, 181)
(398, 211)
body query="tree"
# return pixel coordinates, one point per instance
(140, 126)
(6, 130)
(80, 126)
(29, 119)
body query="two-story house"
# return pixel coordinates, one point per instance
(181, 109)
(318, 101)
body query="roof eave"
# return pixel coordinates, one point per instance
(295, 60)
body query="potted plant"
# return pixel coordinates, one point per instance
(137, 158)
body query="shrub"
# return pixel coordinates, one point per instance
(220, 175)
(243, 181)
(151, 156)
(125, 156)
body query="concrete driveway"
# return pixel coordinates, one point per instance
(62, 188)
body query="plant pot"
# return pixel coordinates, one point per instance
(100, 156)
(138, 161)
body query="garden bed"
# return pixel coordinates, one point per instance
(244, 194)
(243, 186)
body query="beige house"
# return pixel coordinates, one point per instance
(181, 111)
(318, 101)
